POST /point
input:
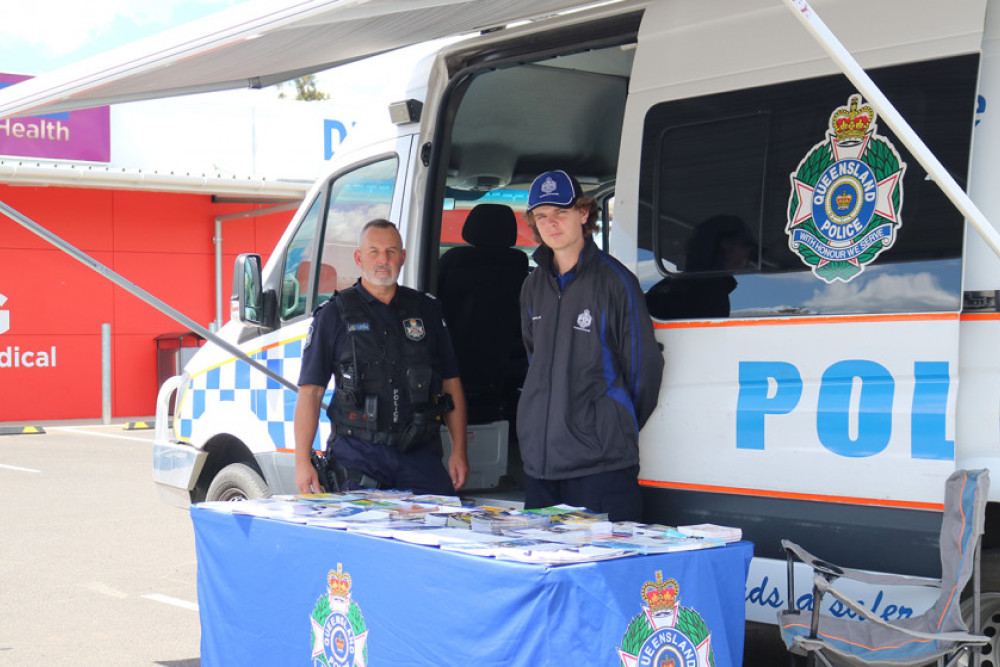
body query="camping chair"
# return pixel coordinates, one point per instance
(939, 635)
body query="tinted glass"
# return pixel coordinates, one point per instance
(786, 200)
(298, 258)
(353, 199)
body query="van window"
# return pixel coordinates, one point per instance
(771, 201)
(353, 199)
(298, 257)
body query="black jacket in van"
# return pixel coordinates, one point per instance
(595, 370)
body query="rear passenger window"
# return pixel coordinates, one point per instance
(797, 199)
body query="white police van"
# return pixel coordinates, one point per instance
(829, 319)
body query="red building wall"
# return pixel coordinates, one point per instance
(50, 352)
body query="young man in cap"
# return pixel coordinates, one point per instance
(595, 366)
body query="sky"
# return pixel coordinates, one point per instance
(39, 36)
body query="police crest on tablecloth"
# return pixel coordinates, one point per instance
(339, 632)
(665, 634)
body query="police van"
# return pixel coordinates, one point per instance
(829, 319)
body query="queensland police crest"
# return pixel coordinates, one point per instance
(339, 632)
(664, 632)
(847, 196)
(414, 328)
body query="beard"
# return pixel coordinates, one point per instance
(381, 279)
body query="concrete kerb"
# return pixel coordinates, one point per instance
(25, 428)
(20, 430)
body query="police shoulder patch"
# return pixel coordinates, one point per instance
(413, 327)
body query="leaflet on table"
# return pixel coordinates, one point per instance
(725, 533)
(658, 545)
(637, 528)
(568, 514)
(437, 536)
(498, 544)
(501, 521)
(342, 517)
(556, 554)
(442, 501)
(388, 527)
(268, 508)
(558, 534)
(644, 544)
(459, 517)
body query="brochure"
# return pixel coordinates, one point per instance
(724, 533)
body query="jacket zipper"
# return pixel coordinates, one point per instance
(552, 357)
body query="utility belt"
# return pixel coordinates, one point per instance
(424, 424)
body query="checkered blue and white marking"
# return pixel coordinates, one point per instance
(234, 386)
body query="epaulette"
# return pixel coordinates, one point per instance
(320, 306)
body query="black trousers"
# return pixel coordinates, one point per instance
(616, 493)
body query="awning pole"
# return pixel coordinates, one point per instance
(137, 291)
(887, 111)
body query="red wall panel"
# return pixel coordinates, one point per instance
(48, 292)
(82, 218)
(185, 282)
(133, 366)
(68, 387)
(160, 242)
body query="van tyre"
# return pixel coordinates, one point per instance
(237, 482)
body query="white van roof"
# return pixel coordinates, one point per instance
(259, 44)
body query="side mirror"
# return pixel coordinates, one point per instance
(248, 295)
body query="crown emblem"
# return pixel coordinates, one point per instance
(851, 123)
(660, 596)
(843, 201)
(549, 185)
(339, 582)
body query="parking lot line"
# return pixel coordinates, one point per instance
(166, 599)
(67, 429)
(18, 468)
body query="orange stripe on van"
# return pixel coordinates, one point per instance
(830, 319)
(763, 493)
(980, 317)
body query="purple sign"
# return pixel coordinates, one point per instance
(70, 135)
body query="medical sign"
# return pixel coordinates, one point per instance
(14, 357)
(847, 196)
(69, 135)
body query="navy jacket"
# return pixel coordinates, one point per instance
(595, 368)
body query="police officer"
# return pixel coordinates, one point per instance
(396, 381)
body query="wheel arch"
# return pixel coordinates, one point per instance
(223, 449)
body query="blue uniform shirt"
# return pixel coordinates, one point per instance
(328, 334)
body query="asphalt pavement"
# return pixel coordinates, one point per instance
(94, 568)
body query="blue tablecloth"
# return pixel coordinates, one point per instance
(277, 593)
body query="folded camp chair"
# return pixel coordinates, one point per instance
(937, 636)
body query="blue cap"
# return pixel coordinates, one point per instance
(554, 188)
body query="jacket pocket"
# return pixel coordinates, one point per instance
(616, 429)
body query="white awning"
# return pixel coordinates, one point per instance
(259, 44)
(67, 174)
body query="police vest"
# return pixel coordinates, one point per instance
(387, 380)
